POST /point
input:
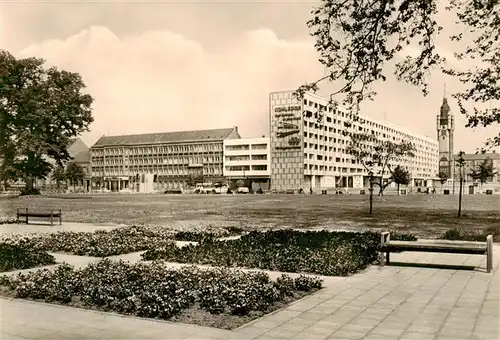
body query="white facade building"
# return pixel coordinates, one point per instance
(248, 159)
(309, 152)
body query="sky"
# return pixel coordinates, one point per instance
(163, 66)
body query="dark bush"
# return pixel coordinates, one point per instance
(456, 234)
(98, 244)
(318, 252)
(14, 257)
(33, 191)
(155, 291)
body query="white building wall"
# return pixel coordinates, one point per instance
(324, 145)
(247, 157)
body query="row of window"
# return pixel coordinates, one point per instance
(247, 168)
(148, 150)
(247, 158)
(244, 147)
(375, 125)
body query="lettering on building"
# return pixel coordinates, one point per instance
(288, 126)
(291, 108)
(286, 133)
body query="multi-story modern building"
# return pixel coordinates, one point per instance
(308, 146)
(249, 160)
(165, 160)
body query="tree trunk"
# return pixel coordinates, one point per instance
(460, 198)
(371, 196)
(29, 177)
(398, 190)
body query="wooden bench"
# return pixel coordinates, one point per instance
(438, 246)
(52, 214)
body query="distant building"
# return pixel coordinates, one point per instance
(472, 161)
(158, 160)
(79, 154)
(308, 150)
(248, 159)
(448, 159)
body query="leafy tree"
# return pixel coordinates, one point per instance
(401, 176)
(443, 177)
(58, 175)
(199, 179)
(358, 41)
(74, 173)
(484, 171)
(460, 162)
(190, 181)
(240, 183)
(40, 109)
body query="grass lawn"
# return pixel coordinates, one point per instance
(420, 214)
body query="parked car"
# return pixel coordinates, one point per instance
(242, 190)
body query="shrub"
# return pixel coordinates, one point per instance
(99, 244)
(156, 291)
(197, 236)
(456, 234)
(26, 192)
(319, 252)
(13, 257)
(8, 221)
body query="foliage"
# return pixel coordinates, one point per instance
(40, 109)
(98, 244)
(319, 252)
(401, 176)
(484, 171)
(74, 173)
(13, 257)
(155, 291)
(356, 40)
(7, 221)
(378, 156)
(443, 177)
(196, 236)
(58, 175)
(29, 191)
(460, 234)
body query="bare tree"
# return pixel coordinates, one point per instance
(378, 157)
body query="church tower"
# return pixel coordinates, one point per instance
(445, 131)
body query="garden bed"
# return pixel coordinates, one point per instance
(210, 232)
(100, 243)
(16, 257)
(318, 252)
(209, 297)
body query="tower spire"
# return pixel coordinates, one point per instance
(444, 95)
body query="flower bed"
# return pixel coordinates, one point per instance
(99, 243)
(15, 257)
(456, 234)
(318, 252)
(197, 236)
(7, 221)
(153, 291)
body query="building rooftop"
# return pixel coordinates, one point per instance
(479, 156)
(169, 137)
(82, 157)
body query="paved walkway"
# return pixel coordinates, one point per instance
(392, 302)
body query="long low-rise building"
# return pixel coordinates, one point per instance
(248, 159)
(158, 160)
(309, 148)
